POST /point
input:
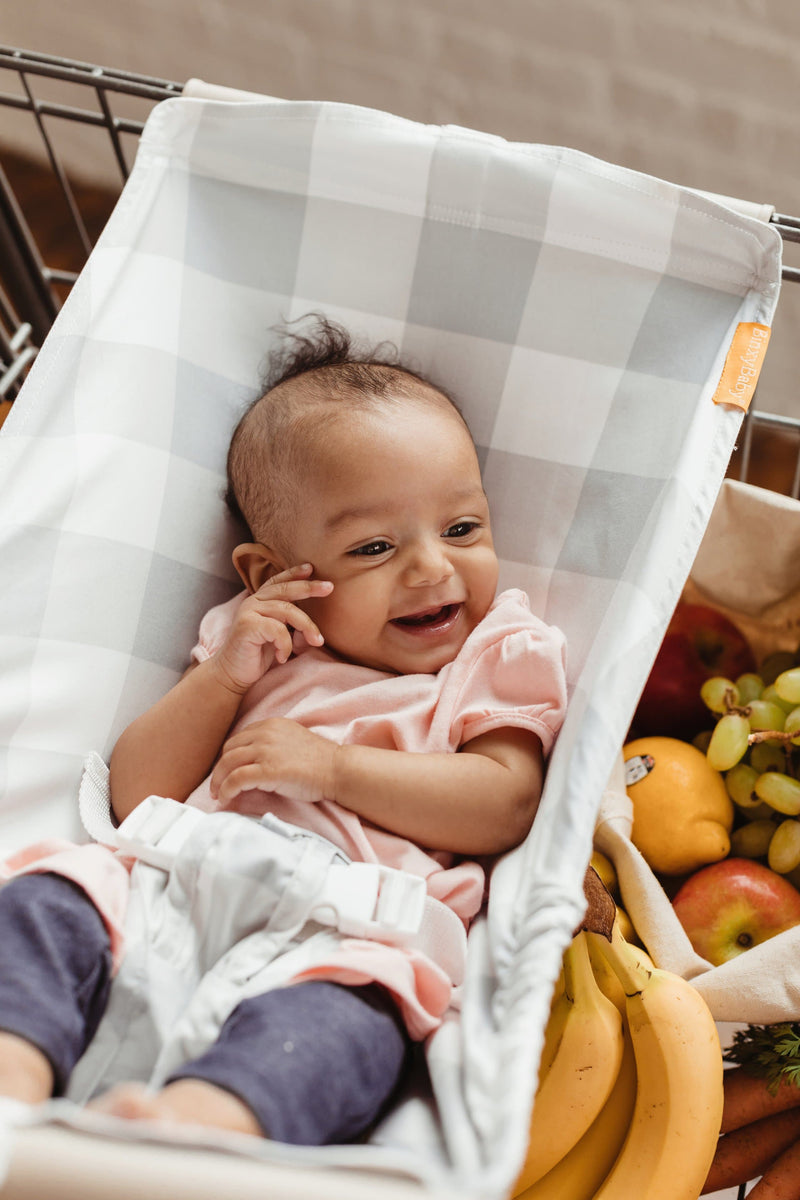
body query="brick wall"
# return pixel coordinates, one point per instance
(702, 92)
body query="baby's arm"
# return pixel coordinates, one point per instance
(171, 747)
(481, 800)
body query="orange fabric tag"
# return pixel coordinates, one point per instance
(743, 365)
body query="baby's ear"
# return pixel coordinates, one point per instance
(255, 564)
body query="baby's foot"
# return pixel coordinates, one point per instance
(25, 1073)
(184, 1102)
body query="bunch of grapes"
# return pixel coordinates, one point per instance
(756, 745)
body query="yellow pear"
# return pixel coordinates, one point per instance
(682, 813)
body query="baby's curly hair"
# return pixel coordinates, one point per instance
(309, 376)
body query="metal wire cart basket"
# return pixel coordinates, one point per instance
(49, 222)
(34, 276)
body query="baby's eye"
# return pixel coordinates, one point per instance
(461, 529)
(372, 549)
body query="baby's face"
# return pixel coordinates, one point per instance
(396, 517)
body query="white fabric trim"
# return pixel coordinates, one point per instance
(746, 208)
(200, 89)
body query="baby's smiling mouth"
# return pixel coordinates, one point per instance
(429, 618)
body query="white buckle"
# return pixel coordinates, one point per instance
(367, 900)
(155, 831)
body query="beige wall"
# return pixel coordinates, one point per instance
(702, 92)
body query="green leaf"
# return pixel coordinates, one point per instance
(771, 1052)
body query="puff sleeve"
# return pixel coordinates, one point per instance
(511, 672)
(214, 628)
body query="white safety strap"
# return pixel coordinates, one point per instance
(153, 833)
(361, 900)
(367, 900)
(94, 802)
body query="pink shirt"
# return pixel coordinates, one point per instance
(509, 672)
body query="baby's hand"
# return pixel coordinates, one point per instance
(276, 755)
(261, 628)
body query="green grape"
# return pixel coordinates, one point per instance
(780, 792)
(761, 812)
(784, 849)
(787, 685)
(771, 693)
(719, 694)
(774, 664)
(700, 740)
(765, 757)
(728, 741)
(750, 687)
(740, 782)
(753, 840)
(792, 725)
(766, 716)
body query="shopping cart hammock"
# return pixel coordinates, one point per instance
(582, 315)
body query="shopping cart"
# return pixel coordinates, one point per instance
(33, 285)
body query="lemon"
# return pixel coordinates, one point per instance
(682, 813)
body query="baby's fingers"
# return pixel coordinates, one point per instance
(273, 620)
(276, 632)
(301, 622)
(294, 584)
(296, 571)
(233, 758)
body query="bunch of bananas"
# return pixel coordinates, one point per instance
(629, 1101)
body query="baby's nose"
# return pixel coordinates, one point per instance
(429, 564)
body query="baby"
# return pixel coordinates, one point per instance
(368, 689)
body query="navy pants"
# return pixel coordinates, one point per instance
(316, 1062)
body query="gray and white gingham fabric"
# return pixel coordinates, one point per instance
(581, 314)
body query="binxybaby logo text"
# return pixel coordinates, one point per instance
(749, 363)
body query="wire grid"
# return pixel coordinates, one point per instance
(31, 291)
(766, 427)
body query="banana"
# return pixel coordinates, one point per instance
(676, 1118)
(582, 1170)
(580, 1064)
(607, 979)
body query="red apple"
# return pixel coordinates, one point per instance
(699, 642)
(734, 904)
